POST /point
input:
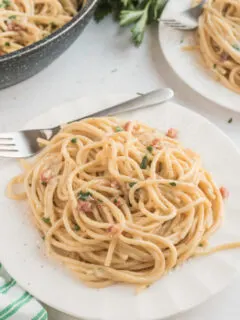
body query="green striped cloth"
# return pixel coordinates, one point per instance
(15, 303)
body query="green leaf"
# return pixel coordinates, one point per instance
(129, 16)
(173, 184)
(235, 46)
(150, 149)
(131, 184)
(76, 227)
(5, 4)
(46, 220)
(118, 129)
(84, 195)
(144, 162)
(74, 140)
(139, 28)
(103, 9)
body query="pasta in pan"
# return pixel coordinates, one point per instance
(219, 41)
(119, 202)
(23, 22)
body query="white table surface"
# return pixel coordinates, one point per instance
(103, 61)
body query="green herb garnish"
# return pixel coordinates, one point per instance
(12, 17)
(173, 184)
(230, 120)
(115, 201)
(74, 140)
(235, 46)
(43, 237)
(7, 44)
(150, 149)
(144, 162)
(76, 227)
(118, 129)
(135, 13)
(44, 183)
(46, 220)
(5, 3)
(131, 184)
(84, 195)
(214, 66)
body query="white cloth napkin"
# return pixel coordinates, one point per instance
(15, 303)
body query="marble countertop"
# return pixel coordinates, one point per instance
(103, 61)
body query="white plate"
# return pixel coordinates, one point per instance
(22, 252)
(188, 64)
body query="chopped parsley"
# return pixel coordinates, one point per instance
(144, 162)
(150, 149)
(181, 41)
(214, 66)
(131, 184)
(5, 3)
(230, 120)
(200, 245)
(173, 184)
(74, 140)
(44, 183)
(235, 46)
(76, 227)
(84, 195)
(7, 44)
(46, 220)
(43, 237)
(118, 129)
(12, 17)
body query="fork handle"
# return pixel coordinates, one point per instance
(146, 100)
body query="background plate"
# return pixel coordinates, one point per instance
(22, 251)
(188, 64)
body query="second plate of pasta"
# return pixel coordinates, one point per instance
(203, 58)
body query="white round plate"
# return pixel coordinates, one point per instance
(189, 65)
(22, 249)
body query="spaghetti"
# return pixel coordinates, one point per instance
(23, 22)
(219, 41)
(120, 202)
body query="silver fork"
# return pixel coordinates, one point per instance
(23, 144)
(186, 20)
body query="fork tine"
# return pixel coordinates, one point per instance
(6, 135)
(10, 154)
(8, 148)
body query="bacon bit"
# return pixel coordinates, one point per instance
(84, 206)
(13, 26)
(155, 141)
(117, 203)
(114, 230)
(224, 57)
(224, 192)
(127, 126)
(171, 133)
(46, 175)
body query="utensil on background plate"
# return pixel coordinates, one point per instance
(24, 144)
(188, 64)
(186, 20)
